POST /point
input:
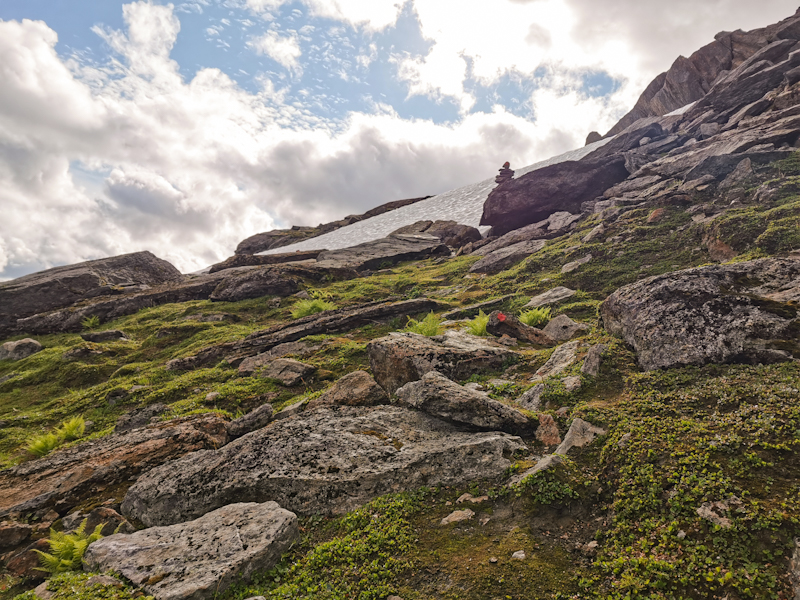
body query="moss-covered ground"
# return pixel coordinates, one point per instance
(723, 439)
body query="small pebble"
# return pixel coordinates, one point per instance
(493, 560)
(519, 555)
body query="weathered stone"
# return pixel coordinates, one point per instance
(473, 309)
(572, 383)
(533, 232)
(557, 294)
(575, 264)
(250, 260)
(291, 410)
(542, 192)
(467, 497)
(329, 460)
(550, 461)
(548, 433)
(67, 477)
(562, 328)
(12, 534)
(110, 335)
(729, 313)
(501, 323)
(595, 234)
(451, 233)
(436, 395)
(26, 563)
(328, 322)
(201, 558)
(141, 417)
(563, 357)
(504, 258)
(794, 570)
(387, 251)
(657, 215)
(64, 286)
(532, 399)
(354, 389)
(254, 283)
(591, 364)
(401, 358)
(287, 371)
(250, 365)
(255, 419)
(19, 349)
(457, 516)
(561, 220)
(716, 511)
(111, 520)
(580, 434)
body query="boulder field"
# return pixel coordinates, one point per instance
(597, 398)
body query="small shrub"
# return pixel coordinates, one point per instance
(535, 317)
(303, 308)
(430, 325)
(478, 325)
(72, 429)
(67, 549)
(44, 444)
(89, 323)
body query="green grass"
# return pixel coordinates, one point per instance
(477, 326)
(536, 317)
(304, 308)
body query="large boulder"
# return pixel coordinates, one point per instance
(19, 349)
(436, 395)
(401, 358)
(64, 286)
(67, 477)
(287, 371)
(501, 324)
(540, 193)
(251, 260)
(325, 461)
(385, 252)
(736, 313)
(201, 558)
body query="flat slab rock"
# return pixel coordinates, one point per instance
(65, 478)
(198, 559)
(735, 313)
(326, 461)
(385, 251)
(436, 395)
(400, 358)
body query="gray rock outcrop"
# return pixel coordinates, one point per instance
(286, 371)
(201, 558)
(401, 358)
(98, 337)
(580, 434)
(450, 233)
(735, 313)
(255, 419)
(384, 252)
(501, 323)
(436, 395)
(562, 328)
(254, 283)
(329, 460)
(553, 296)
(506, 257)
(67, 477)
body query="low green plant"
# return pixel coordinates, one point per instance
(44, 444)
(89, 323)
(478, 325)
(72, 429)
(303, 308)
(68, 431)
(67, 549)
(430, 325)
(535, 317)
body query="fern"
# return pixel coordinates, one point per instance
(430, 325)
(72, 429)
(89, 323)
(478, 325)
(67, 549)
(44, 444)
(535, 317)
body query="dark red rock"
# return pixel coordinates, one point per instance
(12, 534)
(26, 563)
(540, 193)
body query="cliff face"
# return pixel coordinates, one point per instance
(689, 79)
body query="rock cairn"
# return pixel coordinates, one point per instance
(505, 174)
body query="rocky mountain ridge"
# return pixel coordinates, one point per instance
(353, 424)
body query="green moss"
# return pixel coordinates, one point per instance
(74, 586)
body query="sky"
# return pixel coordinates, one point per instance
(182, 128)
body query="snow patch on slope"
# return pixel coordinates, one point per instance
(463, 205)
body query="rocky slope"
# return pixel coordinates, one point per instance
(597, 400)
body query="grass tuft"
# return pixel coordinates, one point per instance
(430, 325)
(303, 308)
(478, 325)
(535, 317)
(89, 323)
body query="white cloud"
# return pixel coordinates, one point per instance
(373, 15)
(283, 49)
